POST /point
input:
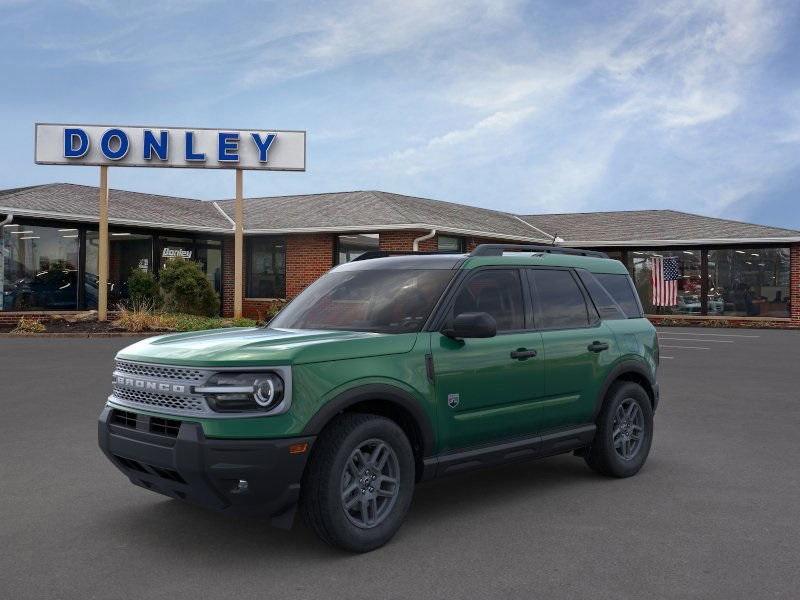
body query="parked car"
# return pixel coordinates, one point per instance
(50, 289)
(386, 372)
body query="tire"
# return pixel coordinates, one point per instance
(336, 466)
(628, 403)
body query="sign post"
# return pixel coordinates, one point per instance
(238, 244)
(102, 255)
(176, 147)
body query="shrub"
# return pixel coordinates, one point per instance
(273, 311)
(26, 325)
(140, 318)
(242, 322)
(186, 290)
(143, 289)
(195, 323)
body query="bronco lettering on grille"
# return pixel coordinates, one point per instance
(143, 384)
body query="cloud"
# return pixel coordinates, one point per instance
(476, 143)
(569, 107)
(327, 39)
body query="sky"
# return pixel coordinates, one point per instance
(528, 107)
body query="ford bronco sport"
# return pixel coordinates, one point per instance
(386, 372)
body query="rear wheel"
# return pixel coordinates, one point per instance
(624, 432)
(358, 485)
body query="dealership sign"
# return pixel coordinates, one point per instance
(192, 148)
(176, 253)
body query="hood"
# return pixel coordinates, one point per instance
(236, 346)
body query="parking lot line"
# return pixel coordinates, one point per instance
(670, 357)
(672, 339)
(688, 347)
(736, 335)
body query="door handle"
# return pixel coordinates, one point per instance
(522, 354)
(596, 346)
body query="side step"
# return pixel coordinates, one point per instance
(539, 446)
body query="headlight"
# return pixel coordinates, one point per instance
(243, 392)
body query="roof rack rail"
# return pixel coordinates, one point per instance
(499, 249)
(385, 253)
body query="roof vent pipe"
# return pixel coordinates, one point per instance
(427, 236)
(7, 220)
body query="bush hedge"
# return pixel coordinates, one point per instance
(143, 289)
(185, 289)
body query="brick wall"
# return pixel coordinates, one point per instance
(12, 317)
(794, 284)
(474, 242)
(404, 240)
(261, 310)
(308, 256)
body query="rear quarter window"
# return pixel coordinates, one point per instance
(620, 288)
(606, 306)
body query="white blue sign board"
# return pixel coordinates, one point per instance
(177, 147)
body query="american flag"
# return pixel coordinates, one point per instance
(665, 280)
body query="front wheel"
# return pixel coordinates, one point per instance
(624, 432)
(358, 485)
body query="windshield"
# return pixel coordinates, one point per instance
(383, 301)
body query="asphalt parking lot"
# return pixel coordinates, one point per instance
(714, 513)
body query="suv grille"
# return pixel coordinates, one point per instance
(160, 372)
(153, 399)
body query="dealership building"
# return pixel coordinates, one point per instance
(727, 270)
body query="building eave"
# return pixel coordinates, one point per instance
(113, 221)
(397, 227)
(682, 242)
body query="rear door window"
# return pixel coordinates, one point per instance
(560, 301)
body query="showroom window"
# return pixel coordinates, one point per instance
(748, 282)
(669, 281)
(127, 252)
(266, 267)
(39, 267)
(448, 243)
(350, 247)
(176, 247)
(209, 255)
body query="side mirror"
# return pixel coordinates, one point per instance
(472, 325)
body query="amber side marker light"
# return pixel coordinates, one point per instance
(298, 448)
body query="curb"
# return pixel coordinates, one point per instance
(80, 335)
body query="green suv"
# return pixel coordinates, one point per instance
(386, 372)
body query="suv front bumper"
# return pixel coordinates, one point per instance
(242, 477)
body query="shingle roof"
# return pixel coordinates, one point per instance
(72, 201)
(374, 210)
(627, 227)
